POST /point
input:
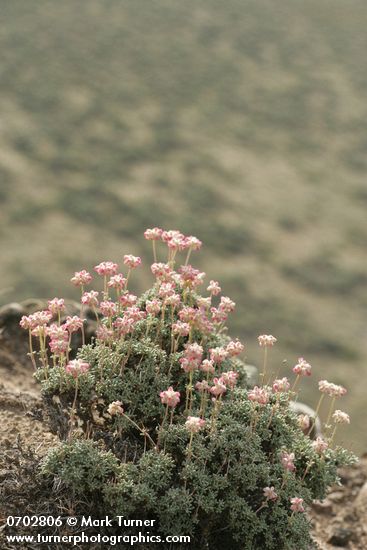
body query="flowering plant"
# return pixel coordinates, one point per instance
(160, 395)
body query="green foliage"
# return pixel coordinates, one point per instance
(81, 466)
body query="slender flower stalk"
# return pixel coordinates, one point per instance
(316, 415)
(193, 424)
(339, 417)
(265, 341)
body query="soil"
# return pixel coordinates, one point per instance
(339, 521)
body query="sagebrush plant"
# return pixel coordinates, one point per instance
(157, 421)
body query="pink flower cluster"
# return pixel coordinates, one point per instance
(320, 445)
(341, 417)
(281, 385)
(117, 281)
(132, 261)
(174, 239)
(81, 278)
(192, 357)
(77, 367)
(90, 298)
(36, 320)
(266, 340)
(259, 395)
(115, 408)
(302, 368)
(287, 461)
(191, 277)
(297, 504)
(269, 493)
(194, 424)
(56, 305)
(59, 339)
(170, 397)
(106, 269)
(333, 390)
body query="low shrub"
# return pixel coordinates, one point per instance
(156, 419)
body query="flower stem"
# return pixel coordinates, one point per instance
(31, 352)
(264, 364)
(313, 422)
(330, 411)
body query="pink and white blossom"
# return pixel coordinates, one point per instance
(56, 305)
(153, 234)
(214, 288)
(26, 322)
(194, 424)
(77, 367)
(106, 269)
(173, 300)
(132, 261)
(135, 313)
(124, 325)
(320, 445)
(266, 340)
(166, 289)
(207, 366)
(73, 324)
(234, 348)
(188, 314)
(193, 242)
(41, 318)
(128, 300)
(341, 417)
(160, 270)
(287, 461)
(57, 332)
(170, 397)
(115, 408)
(226, 304)
(104, 334)
(180, 328)
(259, 395)
(81, 278)
(108, 308)
(229, 378)
(302, 368)
(333, 390)
(218, 316)
(297, 504)
(59, 346)
(117, 281)
(269, 493)
(219, 387)
(218, 355)
(281, 385)
(90, 298)
(202, 386)
(153, 307)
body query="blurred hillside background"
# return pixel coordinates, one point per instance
(241, 122)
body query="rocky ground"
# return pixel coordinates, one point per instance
(339, 521)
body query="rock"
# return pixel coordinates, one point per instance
(361, 500)
(337, 496)
(323, 506)
(252, 375)
(11, 314)
(302, 408)
(341, 537)
(5, 474)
